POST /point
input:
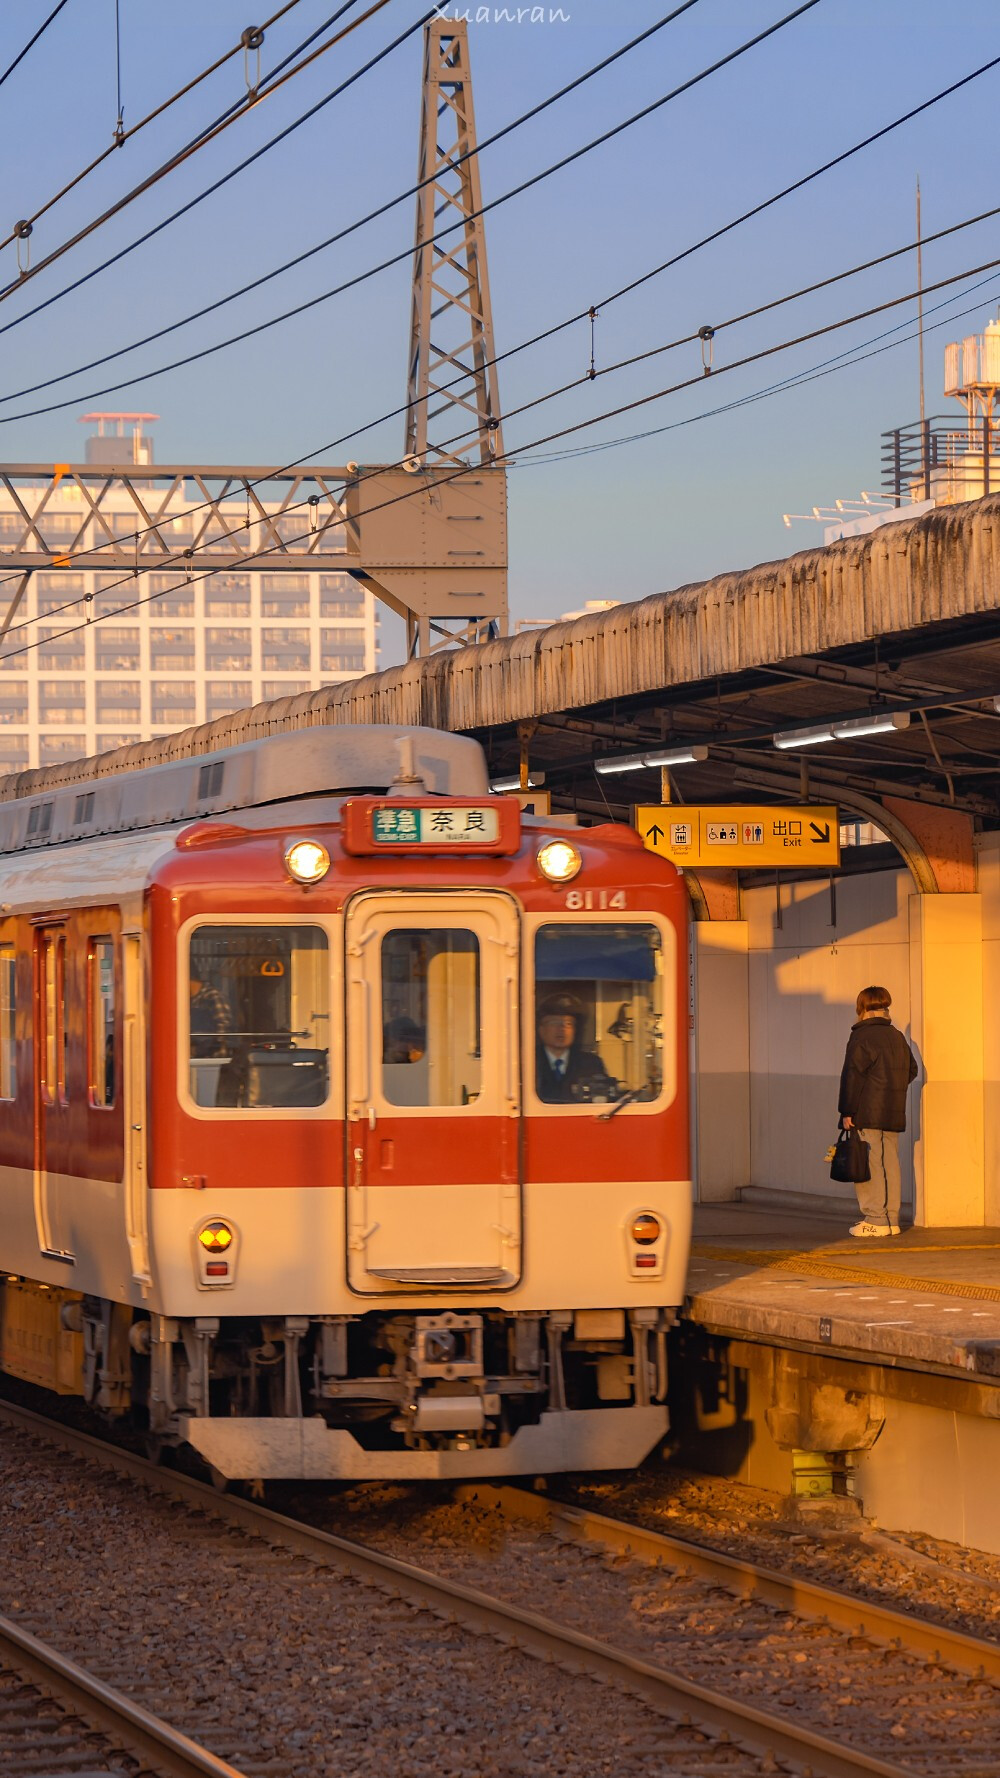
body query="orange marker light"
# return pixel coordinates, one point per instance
(645, 1229)
(216, 1236)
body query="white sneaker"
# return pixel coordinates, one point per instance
(894, 1228)
(868, 1230)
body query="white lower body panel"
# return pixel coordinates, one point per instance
(308, 1450)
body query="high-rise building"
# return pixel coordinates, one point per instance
(99, 660)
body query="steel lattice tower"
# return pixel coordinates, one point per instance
(453, 412)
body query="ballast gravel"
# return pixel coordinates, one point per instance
(286, 1668)
(881, 1699)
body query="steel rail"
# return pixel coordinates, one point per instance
(668, 1693)
(749, 1580)
(132, 1728)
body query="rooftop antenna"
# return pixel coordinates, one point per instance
(920, 339)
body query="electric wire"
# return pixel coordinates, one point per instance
(181, 563)
(397, 258)
(202, 141)
(524, 345)
(157, 111)
(827, 367)
(160, 564)
(19, 58)
(797, 184)
(372, 215)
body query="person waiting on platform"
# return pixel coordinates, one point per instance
(878, 1068)
(564, 1072)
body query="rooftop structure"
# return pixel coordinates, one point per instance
(171, 648)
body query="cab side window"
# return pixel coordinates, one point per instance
(8, 1053)
(101, 1021)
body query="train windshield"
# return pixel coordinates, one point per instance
(259, 1016)
(598, 1013)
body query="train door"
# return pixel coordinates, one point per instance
(433, 1088)
(134, 1077)
(54, 1189)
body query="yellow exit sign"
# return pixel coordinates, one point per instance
(741, 836)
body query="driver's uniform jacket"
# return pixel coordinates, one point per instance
(878, 1068)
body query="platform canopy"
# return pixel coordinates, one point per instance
(904, 622)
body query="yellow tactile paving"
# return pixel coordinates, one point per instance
(827, 1266)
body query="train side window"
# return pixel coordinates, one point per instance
(258, 1016)
(54, 1018)
(101, 1024)
(8, 1053)
(598, 1013)
(431, 1051)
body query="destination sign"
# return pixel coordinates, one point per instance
(742, 836)
(424, 824)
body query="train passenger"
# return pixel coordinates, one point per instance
(565, 1072)
(402, 1040)
(210, 1019)
(878, 1068)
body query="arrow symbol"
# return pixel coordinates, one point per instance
(822, 833)
(654, 833)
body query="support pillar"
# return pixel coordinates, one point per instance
(720, 1059)
(946, 1107)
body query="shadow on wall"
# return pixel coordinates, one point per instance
(810, 952)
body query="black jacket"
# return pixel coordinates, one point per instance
(586, 1078)
(878, 1068)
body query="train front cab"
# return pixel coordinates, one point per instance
(434, 1253)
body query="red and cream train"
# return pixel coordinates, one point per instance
(343, 1110)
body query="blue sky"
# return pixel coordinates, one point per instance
(618, 523)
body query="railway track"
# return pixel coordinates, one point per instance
(56, 1717)
(747, 1580)
(713, 1729)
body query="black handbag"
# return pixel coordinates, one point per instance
(850, 1163)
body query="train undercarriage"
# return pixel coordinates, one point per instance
(435, 1392)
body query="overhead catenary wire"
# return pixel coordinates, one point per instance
(202, 141)
(397, 258)
(181, 564)
(845, 360)
(361, 222)
(43, 27)
(150, 117)
(160, 564)
(337, 290)
(945, 92)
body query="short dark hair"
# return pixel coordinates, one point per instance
(874, 1000)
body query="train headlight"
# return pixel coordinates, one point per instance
(559, 861)
(646, 1229)
(215, 1237)
(307, 861)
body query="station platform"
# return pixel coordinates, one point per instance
(927, 1299)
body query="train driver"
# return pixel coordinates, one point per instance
(565, 1073)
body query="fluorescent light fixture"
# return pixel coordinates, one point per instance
(638, 762)
(803, 737)
(500, 785)
(878, 723)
